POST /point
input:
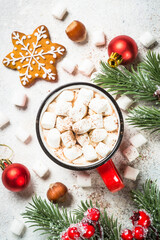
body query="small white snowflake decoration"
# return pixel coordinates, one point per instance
(34, 56)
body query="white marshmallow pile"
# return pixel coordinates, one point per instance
(59, 11)
(147, 39)
(80, 126)
(4, 120)
(86, 67)
(99, 38)
(20, 99)
(22, 135)
(68, 65)
(84, 180)
(138, 140)
(48, 120)
(40, 169)
(131, 153)
(17, 227)
(131, 173)
(124, 102)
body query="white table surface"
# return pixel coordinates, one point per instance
(114, 17)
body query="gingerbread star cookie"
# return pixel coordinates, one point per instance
(34, 56)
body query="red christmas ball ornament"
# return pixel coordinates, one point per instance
(93, 214)
(139, 232)
(65, 236)
(73, 233)
(122, 50)
(127, 234)
(88, 230)
(15, 177)
(141, 218)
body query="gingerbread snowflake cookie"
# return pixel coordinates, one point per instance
(34, 56)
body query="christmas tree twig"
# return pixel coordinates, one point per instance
(149, 199)
(145, 118)
(138, 83)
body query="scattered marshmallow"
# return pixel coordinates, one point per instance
(53, 138)
(147, 39)
(93, 75)
(63, 108)
(84, 180)
(131, 153)
(111, 139)
(85, 95)
(138, 140)
(110, 123)
(64, 124)
(89, 153)
(48, 120)
(86, 67)
(102, 149)
(98, 135)
(98, 105)
(131, 173)
(73, 152)
(68, 139)
(78, 112)
(66, 96)
(17, 227)
(83, 139)
(82, 126)
(124, 102)
(20, 99)
(99, 38)
(22, 135)
(68, 65)
(40, 169)
(96, 121)
(4, 120)
(59, 11)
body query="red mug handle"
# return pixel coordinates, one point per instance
(111, 176)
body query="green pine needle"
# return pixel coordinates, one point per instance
(122, 81)
(151, 66)
(47, 218)
(149, 199)
(145, 118)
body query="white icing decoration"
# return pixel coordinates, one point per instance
(34, 56)
(29, 36)
(36, 75)
(51, 62)
(47, 42)
(30, 49)
(18, 67)
(15, 48)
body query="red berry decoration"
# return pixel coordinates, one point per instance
(141, 218)
(93, 214)
(73, 233)
(65, 236)
(88, 230)
(127, 234)
(139, 232)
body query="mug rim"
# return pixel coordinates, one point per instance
(80, 167)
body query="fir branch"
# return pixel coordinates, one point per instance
(149, 199)
(151, 66)
(145, 118)
(47, 218)
(122, 81)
